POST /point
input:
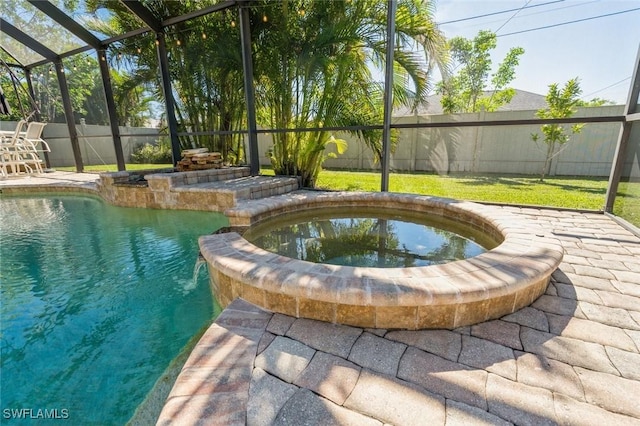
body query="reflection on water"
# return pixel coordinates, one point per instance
(369, 238)
(96, 301)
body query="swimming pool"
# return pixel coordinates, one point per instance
(96, 302)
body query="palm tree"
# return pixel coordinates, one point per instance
(314, 69)
(313, 63)
(205, 69)
(206, 66)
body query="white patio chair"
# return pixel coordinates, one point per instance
(12, 153)
(33, 137)
(15, 162)
(11, 137)
(32, 144)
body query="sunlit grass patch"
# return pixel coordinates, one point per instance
(566, 192)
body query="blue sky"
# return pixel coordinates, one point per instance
(601, 52)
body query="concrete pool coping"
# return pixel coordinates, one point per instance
(450, 295)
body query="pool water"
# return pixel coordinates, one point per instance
(368, 238)
(96, 301)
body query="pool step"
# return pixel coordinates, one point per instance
(227, 193)
(206, 190)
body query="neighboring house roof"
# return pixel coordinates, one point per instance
(522, 100)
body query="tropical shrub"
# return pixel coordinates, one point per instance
(315, 69)
(158, 153)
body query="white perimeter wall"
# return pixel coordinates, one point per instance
(96, 143)
(498, 149)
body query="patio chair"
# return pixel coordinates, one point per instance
(11, 152)
(16, 163)
(33, 137)
(7, 137)
(32, 144)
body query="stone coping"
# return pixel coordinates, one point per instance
(51, 182)
(451, 295)
(176, 178)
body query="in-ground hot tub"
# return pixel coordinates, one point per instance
(369, 237)
(511, 274)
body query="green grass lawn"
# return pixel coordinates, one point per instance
(574, 193)
(627, 204)
(564, 192)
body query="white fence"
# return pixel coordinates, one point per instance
(496, 149)
(96, 142)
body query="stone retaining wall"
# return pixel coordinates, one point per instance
(159, 190)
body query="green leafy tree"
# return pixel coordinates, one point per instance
(595, 102)
(561, 103)
(312, 64)
(205, 69)
(16, 95)
(57, 39)
(132, 100)
(470, 90)
(314, 70)
(80, 82)
(87, 94)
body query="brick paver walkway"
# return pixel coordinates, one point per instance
(571, 358)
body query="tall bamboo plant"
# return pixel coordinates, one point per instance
(205, 70)
(207, 74)
(314, 63)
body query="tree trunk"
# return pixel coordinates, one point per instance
(547, 162)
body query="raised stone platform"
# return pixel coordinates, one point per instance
(228, 193)
(451, 295)
(208, 190)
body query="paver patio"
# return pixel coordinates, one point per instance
(572, 357)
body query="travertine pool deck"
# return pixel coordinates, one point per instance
(54, 181)
(573, 357)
